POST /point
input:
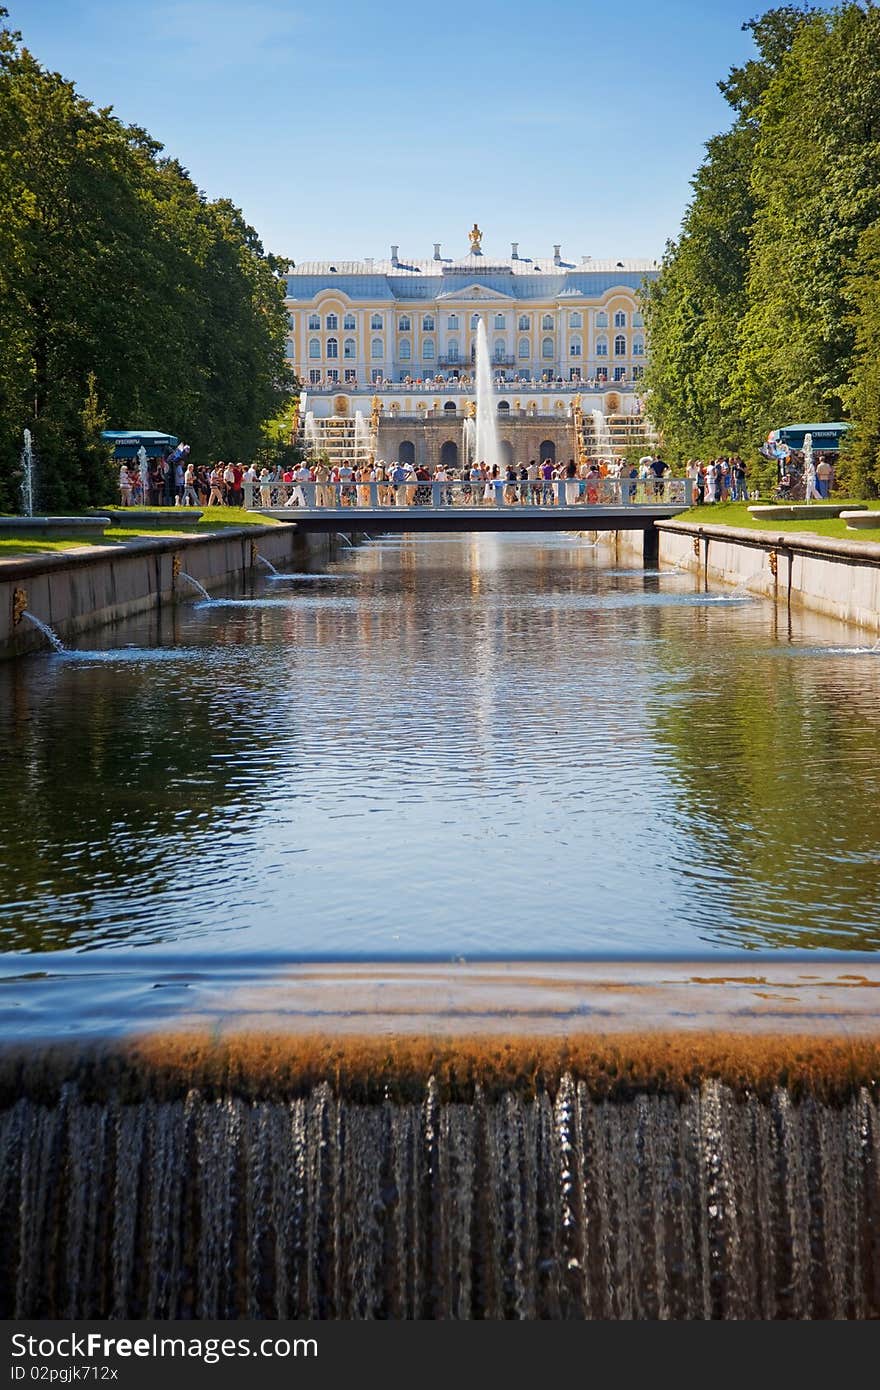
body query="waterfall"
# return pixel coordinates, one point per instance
(310, 435)
(470, 437)
(361, 439)
(711, 1203)
(486, 442)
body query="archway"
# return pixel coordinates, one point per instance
(504, 407)
(449, 454)
(450, 408)
(548, 451)
(406, 451)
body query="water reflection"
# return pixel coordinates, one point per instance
(465, 746)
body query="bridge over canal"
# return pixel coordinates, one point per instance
(380, 509)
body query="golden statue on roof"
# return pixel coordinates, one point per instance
(475, 236)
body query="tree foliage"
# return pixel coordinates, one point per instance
(125, 295)
(758, 318)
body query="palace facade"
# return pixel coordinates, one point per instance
(359, 323)
(386, 352)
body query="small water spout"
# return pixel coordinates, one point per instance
(345, 540)
(261, 559)
(28, 478)
(51, 637)
(196, 585)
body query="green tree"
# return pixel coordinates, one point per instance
(120, 284)
(860, 465)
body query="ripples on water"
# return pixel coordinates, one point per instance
(466, 746)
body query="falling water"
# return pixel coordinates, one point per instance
(486, 439)
(28, 475)
(707, 1205)
(51, 637)
(195, 583)
(261, 560)
(361, 438)
(310, 434)
(470, 440)
(601, 433)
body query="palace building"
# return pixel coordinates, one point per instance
(399, 335)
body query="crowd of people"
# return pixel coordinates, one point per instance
(540, 482)
(224, 484)
(718, 480)
(183, 483)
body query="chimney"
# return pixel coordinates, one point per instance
(394, 251)
(514, 250)
(437, 256)
(557, 256)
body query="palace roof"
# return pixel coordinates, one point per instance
(518, 278)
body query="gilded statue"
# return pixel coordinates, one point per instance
(475, 236)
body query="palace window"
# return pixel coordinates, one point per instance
(348, 323)
(428, 349)
(428, 323)
(601, 319)
(404, 324)
(315, 376)
(377, 352)
(619, 373)
(332, 323)
(452, 322)
(349, 350)
(638, 347)
(638, 372)
(314, 323)
(525, 323)
(500, 349)
(575, 347)
(638, 320)
(405, 352)
(332, 347)
(601, 347)
(576, 320)
(620, 346)
(524, 350)
(547, 347)
(351, 375)
(500, 321)
(475, 319)
(452, 351)
(314, 347)
(376, 375)
(547, 321)
(376, 323)
(333, 375)
(620, 319)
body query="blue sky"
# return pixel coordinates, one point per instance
(340, 128)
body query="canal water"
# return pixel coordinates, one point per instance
(462, 747)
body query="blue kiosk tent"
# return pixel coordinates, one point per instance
(127, 442)
(826, 437)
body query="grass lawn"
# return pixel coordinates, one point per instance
(737, 514)
(217, 519)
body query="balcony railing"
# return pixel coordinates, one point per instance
(432, 385)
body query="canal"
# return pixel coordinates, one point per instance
(446, 747)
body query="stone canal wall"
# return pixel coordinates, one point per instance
(838, 578)
(76, 590)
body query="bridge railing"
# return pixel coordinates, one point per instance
(568, 494)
